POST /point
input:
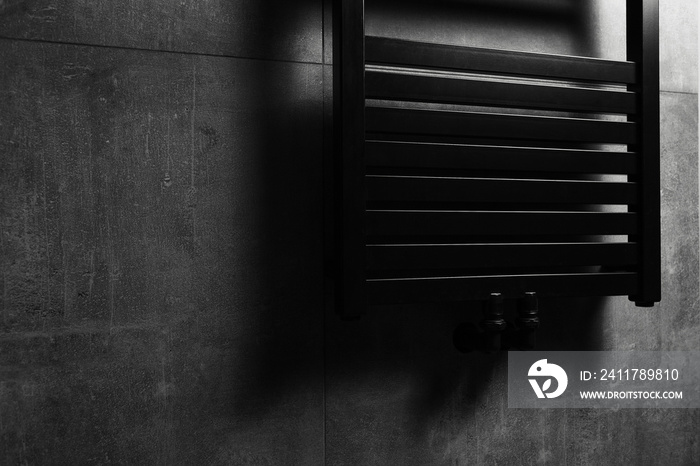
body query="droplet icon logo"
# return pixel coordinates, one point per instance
(542, 370)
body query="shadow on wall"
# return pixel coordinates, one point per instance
(287, 347)
(549, 26)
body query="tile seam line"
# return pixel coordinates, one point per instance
(324, 436)
(213, 55)
(324, 135)
(145, 49)
(678, 92)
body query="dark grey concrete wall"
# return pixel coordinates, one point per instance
(161, 226)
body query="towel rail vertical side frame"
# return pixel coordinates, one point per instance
(643, 49)
(349, 141)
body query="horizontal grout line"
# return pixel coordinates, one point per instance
(213, 55)
(662, 91)
(91, 328)
(143, 49)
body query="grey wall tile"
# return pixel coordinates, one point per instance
(270, 29)
(678, 49)
(165, 209)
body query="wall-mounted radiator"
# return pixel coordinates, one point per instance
(462, 172)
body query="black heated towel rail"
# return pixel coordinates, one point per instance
(462, 172)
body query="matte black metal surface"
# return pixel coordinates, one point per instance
(443, 256)
(349, 142)
(450, 223)
(425, 88)
(394, 154)
(441, 189)
(386, 120)
(643, 48)
(385, 51)
(440, 289)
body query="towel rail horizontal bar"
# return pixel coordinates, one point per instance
(440, 289)
(418, 88)
(386, 51)
(392, 120)
(441, 189)
(451, 223)
(463, 256)
(395, 154)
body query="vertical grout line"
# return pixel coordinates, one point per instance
(323, 37)
(323, 226)
(3, 276)
(697, 128)
(193, 190)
